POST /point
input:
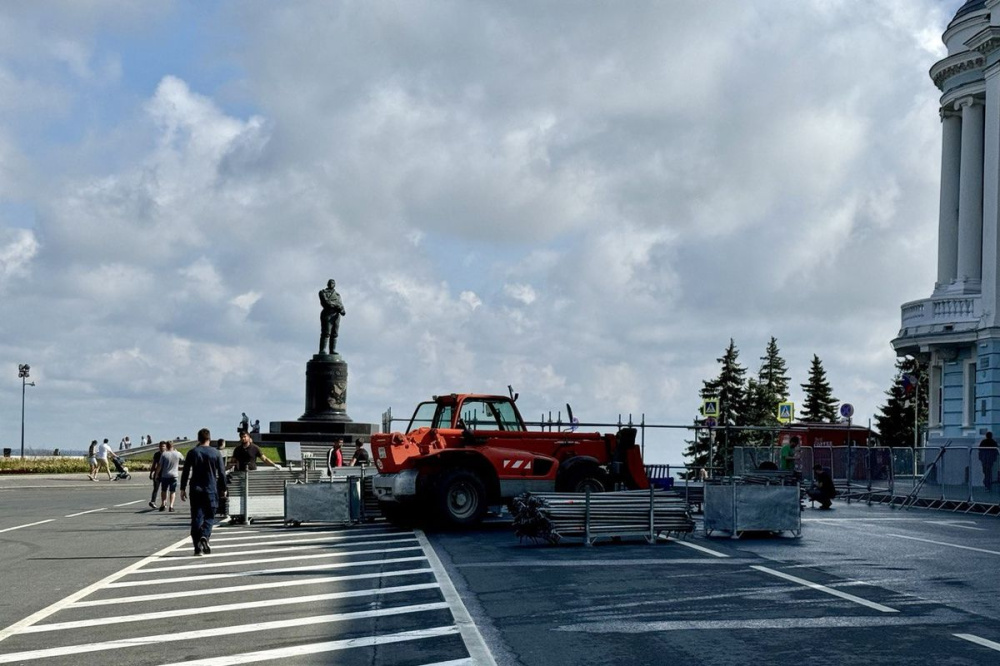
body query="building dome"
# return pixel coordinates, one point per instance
(969, 7)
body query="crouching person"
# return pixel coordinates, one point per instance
(822, 490)
(204, 469)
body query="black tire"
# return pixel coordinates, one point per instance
(582, 478)
(460, 498)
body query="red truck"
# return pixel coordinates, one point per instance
(463, 453)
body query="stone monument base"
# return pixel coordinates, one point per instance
(326, 389)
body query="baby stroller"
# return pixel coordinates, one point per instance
(121, 469)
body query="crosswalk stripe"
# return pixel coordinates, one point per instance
(311, 539)
(139, 641)
(287, 549)
(319, 580)
(329, 646)
(264, 572)
(264, 560)
(222, 608)
(284, 535)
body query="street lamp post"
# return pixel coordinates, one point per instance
(23, 372)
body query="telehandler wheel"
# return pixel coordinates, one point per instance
(460, 497)
(584, 478)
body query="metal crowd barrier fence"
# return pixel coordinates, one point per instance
(969, 475)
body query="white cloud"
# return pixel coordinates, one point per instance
(660, 178)
(523, 293)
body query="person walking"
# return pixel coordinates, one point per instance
(360, 457)
(169, 465)
(103, 451)
(203, 468)
(788, 454)
(335, 457)
(92, 459)
(244, 457)
(987, 458)
(154, 474)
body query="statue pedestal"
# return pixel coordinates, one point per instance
(326, 389)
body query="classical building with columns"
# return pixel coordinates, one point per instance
(957, 330)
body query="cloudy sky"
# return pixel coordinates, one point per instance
(583, 200)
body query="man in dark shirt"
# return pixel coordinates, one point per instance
(987, 458)
(203, 468)
(244, 457)
(823, 490)
(154, 474)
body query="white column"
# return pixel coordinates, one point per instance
(970, 188)
(991, 199)
(951, 150)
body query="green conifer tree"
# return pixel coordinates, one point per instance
(729, 389)
(765, 393)
(895, 420)
(819, 406)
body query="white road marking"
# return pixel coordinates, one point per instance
(828, 590)
(956, 523)
(63, 603)
(286, 549)
(264, 572)
(129, 503)
(329, 646)
(319, 580)
(453, 662)
(944, 543)
(74, 515)
(222, 608)
(311, 539)
(979, 641)
(198, 634)
(756, 624)
(284, 535)
(473, 640)
(264, 560)
(703, 549)
(18, 527)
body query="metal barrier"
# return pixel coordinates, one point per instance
(957, 477)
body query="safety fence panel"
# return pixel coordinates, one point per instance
(984, 475)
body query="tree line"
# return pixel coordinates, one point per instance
(752, 401)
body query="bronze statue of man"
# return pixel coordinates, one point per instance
(333, 310)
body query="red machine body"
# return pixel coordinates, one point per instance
(465, 452)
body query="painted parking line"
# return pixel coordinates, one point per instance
(702, 549)
(21, 527)
(318, 580)
(201, 565)
(473, 640)
(979, 641)
(222, 608)
(945, 543)
(264, 572)
(74, 515)
(329, 646)
(199, 634)
(827, 590)
(286, 549)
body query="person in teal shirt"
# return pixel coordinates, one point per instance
(788, 452)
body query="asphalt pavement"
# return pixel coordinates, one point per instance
(91, 575)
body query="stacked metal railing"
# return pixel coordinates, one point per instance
(556, 517)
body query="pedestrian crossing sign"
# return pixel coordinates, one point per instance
(710, 407)
(786, 412)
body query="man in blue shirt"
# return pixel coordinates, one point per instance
(203, 467)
